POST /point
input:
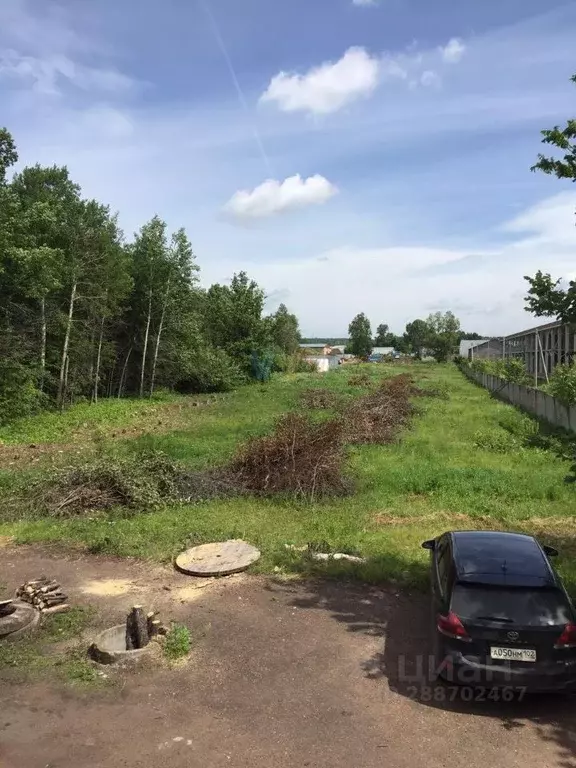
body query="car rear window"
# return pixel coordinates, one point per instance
(527, 607)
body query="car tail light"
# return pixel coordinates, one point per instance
(568, 638)
(451, 626)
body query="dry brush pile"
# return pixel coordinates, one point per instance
(307, 459)
(301, 458)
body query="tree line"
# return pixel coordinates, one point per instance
(438, 335)
(86, 313)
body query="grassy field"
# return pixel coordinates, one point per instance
(467, 462)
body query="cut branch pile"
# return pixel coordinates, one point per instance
(44, 594)
(300, 458)
(380, 415)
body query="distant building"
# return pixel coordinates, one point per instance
(383, 351)
(487, 350)
(467, 344)
(321, 349)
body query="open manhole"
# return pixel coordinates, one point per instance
(218, 559)
(129, 641)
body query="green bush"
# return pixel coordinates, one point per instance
(563, 384)
(295, 363)
(19, 395)
(210, 370)
(510, 369)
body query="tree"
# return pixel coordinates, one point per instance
(233, 319)
(360, 334)
(151, 271)
(180, 280)
(444, 330)
(8, 153)
(285, 330)
(83, 314)
(384, 338)
(545, 298)
(563, 139)
(417, 336)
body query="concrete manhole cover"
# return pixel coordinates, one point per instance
(218, 559)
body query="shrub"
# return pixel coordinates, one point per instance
(292, 363)
(510, 369)
(563, 384)
(210, 370)
(19, 395)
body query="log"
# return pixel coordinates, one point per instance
(137, 627)
(140, 627)
(54, 600)
(154, 627)
(56, 609)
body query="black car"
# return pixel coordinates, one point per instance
(501, 614)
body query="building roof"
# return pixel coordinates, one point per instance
(382, 350)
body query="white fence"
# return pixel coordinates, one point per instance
(534, 401)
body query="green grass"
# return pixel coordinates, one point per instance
(53, 652)
(56, 427)
(177, 643)
(468, 461)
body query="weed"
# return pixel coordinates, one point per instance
(496, 440)
(177, 643)
(359, 380)
(320, 398)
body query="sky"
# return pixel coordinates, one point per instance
(351, 155)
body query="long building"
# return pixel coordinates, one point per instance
(541, 348)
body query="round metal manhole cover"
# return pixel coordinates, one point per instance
(218, 559)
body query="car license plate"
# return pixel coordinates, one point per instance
(513, 654)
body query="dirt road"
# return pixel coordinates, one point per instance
(283, 674)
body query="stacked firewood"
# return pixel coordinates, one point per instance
(44, 594)
(141, 628)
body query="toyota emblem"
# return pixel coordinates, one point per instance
(512, 635)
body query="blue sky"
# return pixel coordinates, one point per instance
(351, 157)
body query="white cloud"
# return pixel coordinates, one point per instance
(430, 79)
(48, 74)
(273, 197)
(365, 3)
(326, 88)
(453, 51)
